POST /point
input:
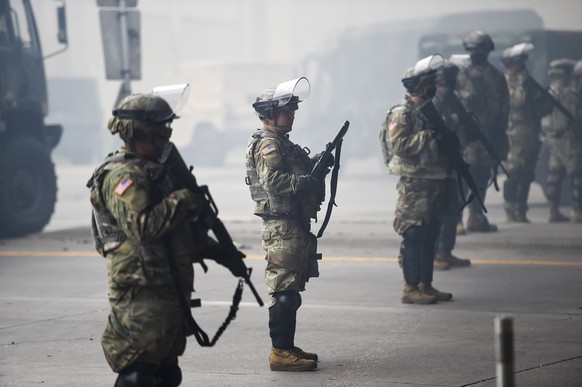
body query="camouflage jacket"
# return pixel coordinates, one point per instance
(527, 106)
(277, 174)
(136, 221)
(416, 152)
(483, 91)
(557, 124)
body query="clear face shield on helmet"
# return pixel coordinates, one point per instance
(516, 54)
(286, 93)
(175, 95)
(422, 78)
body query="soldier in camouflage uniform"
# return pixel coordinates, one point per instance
(564, 142)
(421, 189)
(446, 80)
(139, 218)
(483, 90)
(287, 197)
(527, 107)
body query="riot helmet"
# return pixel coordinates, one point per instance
(286, 95)
(577, 72)
(516, 54)
(421, 79)
(561, 67)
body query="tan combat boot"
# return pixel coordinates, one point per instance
(556, 216)
(510, 212)
(451, 260)
(461, 228)
(413, 295)
(440, 262)
(428, 290)
(576, 216)
(282, 359)
(520, 213)
(305, 355)
(480, 225)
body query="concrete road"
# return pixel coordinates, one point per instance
(53, 300)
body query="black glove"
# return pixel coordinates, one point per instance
(234, 264)
(327, 163)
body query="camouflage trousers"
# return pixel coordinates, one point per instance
(565, 159)
(291, 254)
(145, 325)
(520, 164)
(419, 202)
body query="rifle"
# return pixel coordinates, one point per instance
(557, 104)
(173, 161)
(322, 164)
(449, 144)
(470, 123)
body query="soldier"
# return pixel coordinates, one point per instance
(527, 107)
(141, 220)
(446, 80)
(483, 90)
(287, 197)
(564, 141)
(421, 188)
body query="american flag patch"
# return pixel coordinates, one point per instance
(391, 126)
(268, 149)
(123, 185)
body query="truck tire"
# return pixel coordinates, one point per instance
(28, 187)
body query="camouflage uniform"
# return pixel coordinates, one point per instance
(527, 107)
(483, 90)
(421, 190)
(135, 223)
(564, 142)
(286, 198)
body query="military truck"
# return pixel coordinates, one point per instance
(27, 175)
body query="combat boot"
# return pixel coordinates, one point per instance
(451, 260)
(576, 216)
(556, 216)
(428, 290)
(461, 228)
(520, 213)
(480, 224)
(510, 212)
(305, 355)
(413, 295)
(440, 263)
(282, 359)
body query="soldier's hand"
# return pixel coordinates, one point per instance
(236, 266)
(310, 183)
(327, 162)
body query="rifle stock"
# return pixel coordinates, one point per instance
(449, 144)
(173, 161)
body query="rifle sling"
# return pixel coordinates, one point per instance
(197, 331)
(333, 188)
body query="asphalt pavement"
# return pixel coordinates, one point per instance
(54, 307)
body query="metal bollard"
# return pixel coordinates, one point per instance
(504, 351)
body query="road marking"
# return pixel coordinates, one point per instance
(327, 259)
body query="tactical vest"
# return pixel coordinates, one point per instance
(107, 234)
(295, 160)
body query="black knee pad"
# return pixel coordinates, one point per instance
(170, 374)
(137, 375)
(289, 300)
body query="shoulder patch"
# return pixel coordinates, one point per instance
(123, 185)
(268, 149)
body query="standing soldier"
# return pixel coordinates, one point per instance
(141, 221)
(446, 81)
(527, 107)
(287, 197)
(421, 189)
(483, 90)
(564, 141)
